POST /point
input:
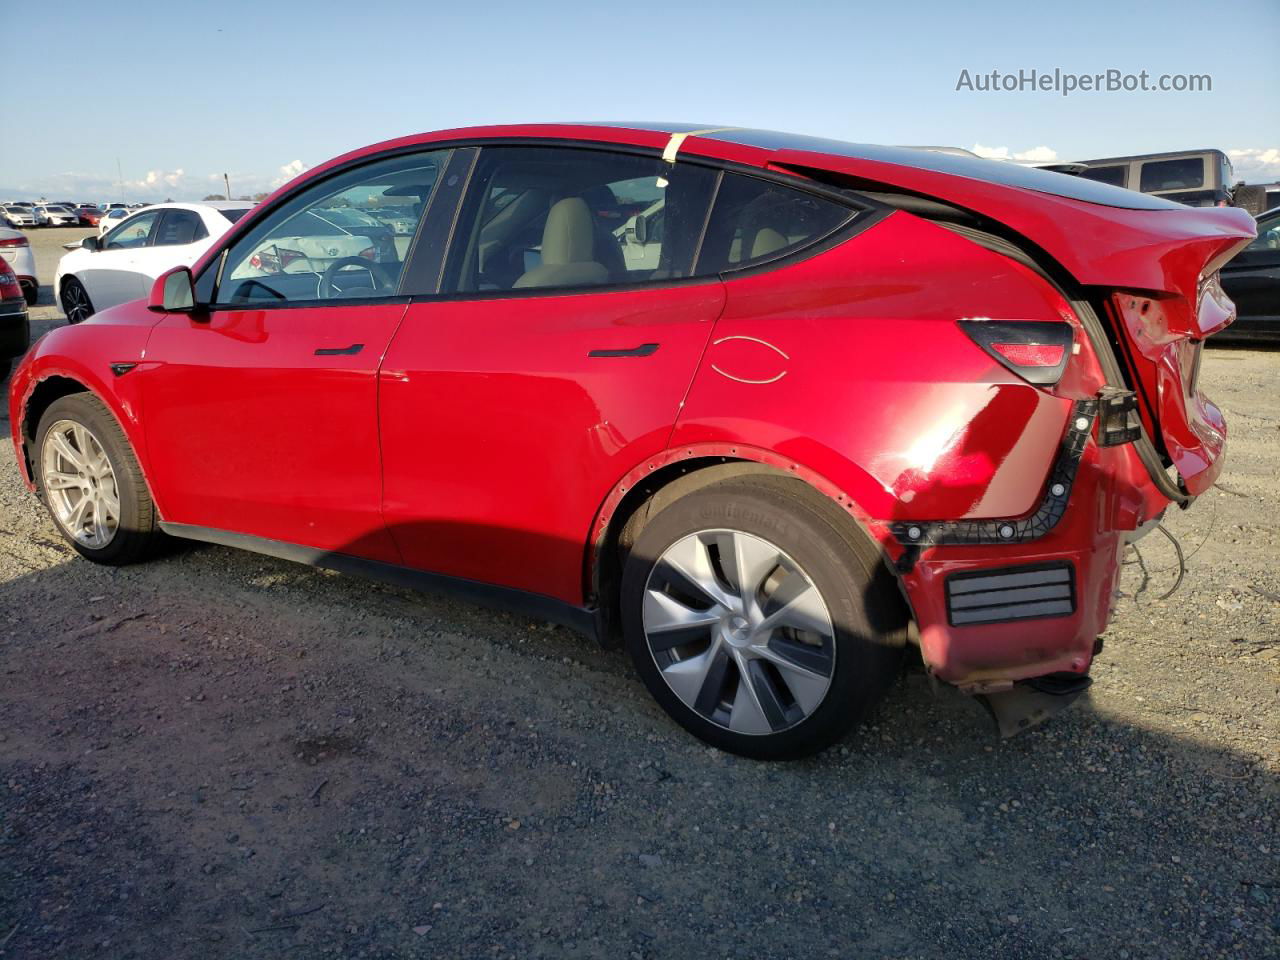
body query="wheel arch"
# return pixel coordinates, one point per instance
(662, 480)
(42, 396)
(54, 383)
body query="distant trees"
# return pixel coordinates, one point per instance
(215, 196)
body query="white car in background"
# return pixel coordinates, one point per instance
(20, 216)
(122, 265)
(113, 217)
(54, 215)
(15, 250)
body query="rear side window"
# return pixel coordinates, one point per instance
(1116, 176)
(179, 227)
(1186, 173)
(557, 217)
(757, 220)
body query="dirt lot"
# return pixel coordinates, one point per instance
(220, 755)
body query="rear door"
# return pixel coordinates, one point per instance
(549, 367)
(263, 413)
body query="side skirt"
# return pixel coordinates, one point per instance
(580, 619)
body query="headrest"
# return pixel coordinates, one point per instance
(568, 236)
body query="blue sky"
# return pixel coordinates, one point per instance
(178, 93)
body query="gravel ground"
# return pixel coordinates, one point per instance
(218, 755)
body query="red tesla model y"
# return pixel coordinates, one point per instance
(766, 409)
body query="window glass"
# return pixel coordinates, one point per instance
(133, 232)
(178, 227)
(234, 215)
(546, 217)
(334, 239)
(1117, 176)
(758, 220)
(1268, 237)
(1186, 173)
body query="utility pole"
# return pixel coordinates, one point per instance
(226, 181)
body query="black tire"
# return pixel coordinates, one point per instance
(137, 535)
(1251, 197)
(72, 294)
(867, 613)
(31, 295)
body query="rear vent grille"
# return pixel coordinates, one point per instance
(1011, 593)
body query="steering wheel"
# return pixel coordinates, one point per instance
(381, 280)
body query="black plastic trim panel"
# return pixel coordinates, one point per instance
(1032, 527)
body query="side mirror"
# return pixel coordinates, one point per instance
(641, 229)
(173, 292)
(91, 243)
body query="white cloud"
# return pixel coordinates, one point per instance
(289, 171)
(1256, 164)
(1034, 155)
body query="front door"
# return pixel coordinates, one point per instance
(111, 273)
(262, 412)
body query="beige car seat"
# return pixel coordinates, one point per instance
(767, 240)
(568, 249)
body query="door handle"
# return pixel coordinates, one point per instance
(644, 350)
(339, 351)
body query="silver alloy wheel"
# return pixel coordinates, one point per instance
(739, 631)
(80, 484)
(75, 302)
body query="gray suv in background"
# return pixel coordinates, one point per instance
(1198, 178)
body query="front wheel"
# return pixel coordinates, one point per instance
(92, 484)
(758, 620)
(75, 301)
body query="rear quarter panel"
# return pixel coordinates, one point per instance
(850, 364)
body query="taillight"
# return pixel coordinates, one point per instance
(370, 253)
(9, 288)
(1036, 350)
(14, 242)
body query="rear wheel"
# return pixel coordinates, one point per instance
(758, 621)
(75, 300)
(92, 484)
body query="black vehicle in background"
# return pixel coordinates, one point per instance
(1198, 178)
(1252, 279)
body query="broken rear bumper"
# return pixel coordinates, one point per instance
(992, 614)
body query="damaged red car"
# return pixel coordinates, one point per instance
(765, 409)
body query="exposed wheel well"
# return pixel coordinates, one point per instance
(662, 488)
(44, 394)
